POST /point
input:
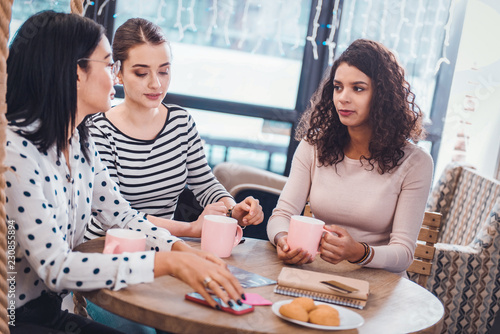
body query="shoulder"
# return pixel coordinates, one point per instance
(305, 152)
(417, 154)
(305, 147)
(176, 111)
(98, 124)
(21, 153)
(16, 142)
(178, 116)
(417, 160)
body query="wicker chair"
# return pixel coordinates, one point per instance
(466, 271)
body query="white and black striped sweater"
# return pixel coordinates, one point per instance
(152, 174)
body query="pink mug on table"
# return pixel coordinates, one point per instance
(120, 240)
(305, 233)
(220, 234)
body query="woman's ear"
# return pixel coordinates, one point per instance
(119, 77)
(80, 75)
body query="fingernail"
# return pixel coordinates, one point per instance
(218, 307)
(243, 296)
(239, 302)
(230, 303)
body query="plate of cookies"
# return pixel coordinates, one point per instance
(307, 312)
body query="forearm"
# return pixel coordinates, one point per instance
(228, 202)
(177, 228)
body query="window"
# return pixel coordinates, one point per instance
(239, 51)
(21, 10)
(241, 57)
(254, 64)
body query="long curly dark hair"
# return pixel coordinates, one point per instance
(394, 116)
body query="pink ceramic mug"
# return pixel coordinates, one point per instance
(120, 240)
(220, 234)
(305, 233)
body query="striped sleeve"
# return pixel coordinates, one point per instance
(200, 178)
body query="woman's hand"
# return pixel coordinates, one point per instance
(183, 247)
(248, 212)
(297, 256)
(339, 245)
(200, 274)
(211, 209)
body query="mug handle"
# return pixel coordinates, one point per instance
(110, 248)
(324, 231)
(239, 235)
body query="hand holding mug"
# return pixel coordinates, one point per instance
(296, 256)
(338, 245)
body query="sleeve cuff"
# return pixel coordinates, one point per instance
(135, 268)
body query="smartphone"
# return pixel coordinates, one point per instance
(236, 309)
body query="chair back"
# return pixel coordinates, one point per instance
(424, 252)
(231, 174)
(465, 199)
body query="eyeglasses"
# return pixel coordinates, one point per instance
(114, 67)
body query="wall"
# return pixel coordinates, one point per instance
(472, 128)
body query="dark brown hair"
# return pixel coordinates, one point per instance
(42, 81)
(394, 116)
(135, 32)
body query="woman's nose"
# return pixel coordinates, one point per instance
(343, 96)
(155, 81)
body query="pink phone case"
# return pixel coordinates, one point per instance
(236, 309)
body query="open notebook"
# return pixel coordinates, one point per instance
(303, 283)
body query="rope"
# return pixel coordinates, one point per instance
(5, 16)
(78, 300)
(77, 7)
(80, 304)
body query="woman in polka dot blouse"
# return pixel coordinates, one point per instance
(60, 70)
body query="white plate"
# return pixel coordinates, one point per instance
(348, 319)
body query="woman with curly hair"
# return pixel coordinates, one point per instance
(359, 166)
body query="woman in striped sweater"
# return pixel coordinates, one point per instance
(153, 150)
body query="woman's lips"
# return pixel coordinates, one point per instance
(345, 112)
(153, 96)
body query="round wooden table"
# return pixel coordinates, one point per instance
(395, 304)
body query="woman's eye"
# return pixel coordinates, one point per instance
(140, 74)
(336, 87)
(165, 72)
(358, 89)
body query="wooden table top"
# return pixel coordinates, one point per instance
(395, 304)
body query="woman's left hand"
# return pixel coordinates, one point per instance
(248, 212)
(339, 245)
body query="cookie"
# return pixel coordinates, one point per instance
(324, 316)
(306, 303)
(294, 311)
(327, 307)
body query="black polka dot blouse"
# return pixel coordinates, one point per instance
(48, 206)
